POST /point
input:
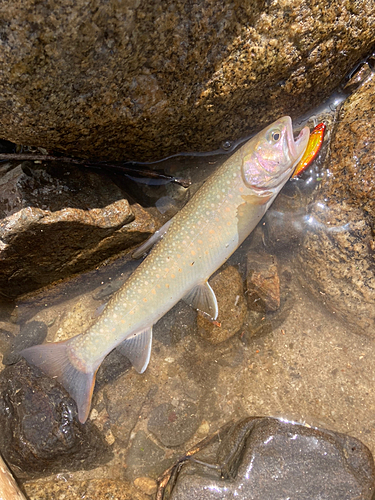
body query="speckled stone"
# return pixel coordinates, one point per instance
(337, 256)
(143, 80)
(60, 221)
(94, 489)
(352, 157)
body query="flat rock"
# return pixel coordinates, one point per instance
(144, 80)
(228, 288)
(41, 431)
(174, 424)
(60, 221)
(267, 459)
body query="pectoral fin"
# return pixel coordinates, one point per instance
(203, 298)
(137, 348)
(147, 245)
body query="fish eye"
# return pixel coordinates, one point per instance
(275, 135)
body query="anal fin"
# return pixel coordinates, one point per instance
(203, 298)
(157, 236)
(137, 348)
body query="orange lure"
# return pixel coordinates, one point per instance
(313, 147)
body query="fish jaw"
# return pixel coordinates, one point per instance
(270, 157)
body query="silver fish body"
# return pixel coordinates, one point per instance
(197, 241)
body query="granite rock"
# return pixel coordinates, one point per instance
(144, 80)
(336, 259)
(59, 221)
(93, 489)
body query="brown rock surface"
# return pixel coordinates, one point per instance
(58, 221)
(353, 151)
(337, 255)
(144, 80)
(94, 489)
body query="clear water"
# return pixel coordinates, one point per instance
(304, 363)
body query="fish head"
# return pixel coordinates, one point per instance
(270, 156)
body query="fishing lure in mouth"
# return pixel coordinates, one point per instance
(312, 150)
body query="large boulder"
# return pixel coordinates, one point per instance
(144, 80)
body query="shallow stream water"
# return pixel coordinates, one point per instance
(302, 362)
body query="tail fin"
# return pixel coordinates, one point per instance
(53, 359)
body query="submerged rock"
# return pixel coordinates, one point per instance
(337, 256)
(41, 432)
(263, 282)
(59, 221)
(94, 489)
(228, 288)
(174, 424)
(32, 333)
(267, 459)
(145, 80)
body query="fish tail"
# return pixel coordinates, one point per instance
(54, 359)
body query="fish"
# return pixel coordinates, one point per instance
(186, 251)
(312, 150)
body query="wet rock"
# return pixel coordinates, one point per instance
(146, 457)
(353, 151)
(263, 282)
(263, 458)
(228, 288)
(336, 264)
(60, 221)
(41, 432)
(124, 401)
(32, 333)
(146, 484)
(8, 332)
(201, 77)
(337, 255)
(93, 489)
(173, 425)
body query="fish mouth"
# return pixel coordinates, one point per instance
(296, 146)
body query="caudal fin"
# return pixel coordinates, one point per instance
(53, 359)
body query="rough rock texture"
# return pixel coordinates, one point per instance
(30, 334)
(58, 221)
(337, 255)
(352, 157)
(40, 429)
(228, 288)
(95, 489)
(265, 459)
(263, 282)
(142, 80)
